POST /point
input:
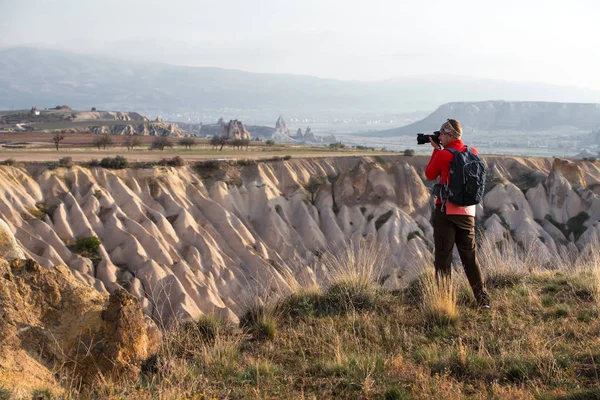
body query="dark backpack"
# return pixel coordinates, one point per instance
(466, 180)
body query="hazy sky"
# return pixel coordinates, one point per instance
(525, 40)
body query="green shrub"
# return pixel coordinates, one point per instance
(337, 146)
(172, 162)
(9, 161)
(188, 336)
(270, 143)
(288, 157)
(246, 162)
(409, 152)
(347, 296)
(42, 394)
(66, 162)
(302, 304)
(260, 323)
(88, 244)
(396, 393)
(37, 212)
(118, 162)
(52, 165)
(209, 165)
(5, 394)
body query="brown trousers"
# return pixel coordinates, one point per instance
(459, 229)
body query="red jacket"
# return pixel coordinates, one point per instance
(439, 164)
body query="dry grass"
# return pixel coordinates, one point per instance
(539, 341)
(358, 262)
(439, 298)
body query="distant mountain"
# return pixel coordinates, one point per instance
(44, 78)
(489, 116)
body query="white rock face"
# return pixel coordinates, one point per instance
(187, 246)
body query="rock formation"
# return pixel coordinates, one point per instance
(235, 130)
(146, 129)
(53, 324)
(309, 135)
(191, 241)
(281, 126)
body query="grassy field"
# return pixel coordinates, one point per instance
(350, 338)
(81, 148)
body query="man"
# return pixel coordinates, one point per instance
(453, 223)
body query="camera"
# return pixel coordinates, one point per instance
(423, 138)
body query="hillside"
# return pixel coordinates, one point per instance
(67, 120)
(208, 242)
(43, 78)
(494, 116)
(208, 227)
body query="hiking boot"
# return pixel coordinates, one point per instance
(484, 302)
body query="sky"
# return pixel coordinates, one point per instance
(527, 40)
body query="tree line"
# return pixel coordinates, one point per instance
(159, 143)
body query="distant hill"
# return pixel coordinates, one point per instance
(66, 119)
(489, 116)
(43, 78)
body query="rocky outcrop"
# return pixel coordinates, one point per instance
(9, 248)
(146, 129)
(235, 130)
(192, 241)
(110, 115)
(281, 126)
(53, 326)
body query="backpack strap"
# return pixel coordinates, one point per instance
(446, 184)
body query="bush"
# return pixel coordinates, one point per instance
(209, 165)
(397, 394)
(305, 303)
(337, 146)
(246, 162)
(41, 210)
(409, 152)
(172, 162)
(66, 162)
(94, 163)
(350, 295)
(52, 165)
(9, 161)
(88, 244)
(118, 162)
(260, 323)
(270, 143)
(205, 330)
(5, 394)
(287, 157)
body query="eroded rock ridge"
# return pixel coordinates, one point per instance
(205, 239)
